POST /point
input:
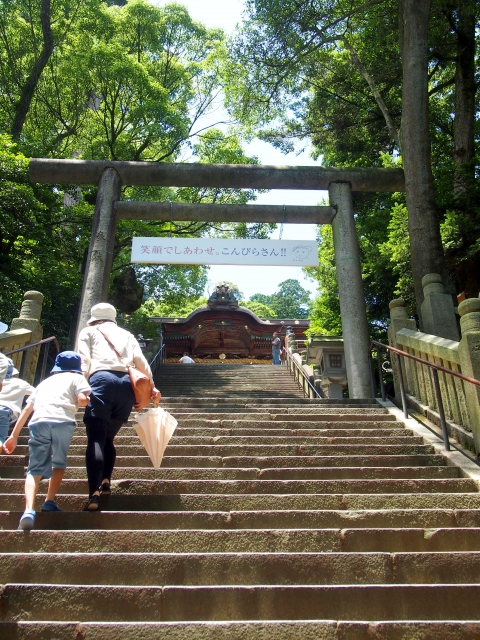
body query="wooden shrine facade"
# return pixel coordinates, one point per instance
(223, 328)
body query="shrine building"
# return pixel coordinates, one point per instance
(223, 330)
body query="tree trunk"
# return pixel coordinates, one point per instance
(466, 271)
(465, 90)
(423, 224)
(39, 65)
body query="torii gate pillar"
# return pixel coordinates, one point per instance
(100, 251)
(350, 291)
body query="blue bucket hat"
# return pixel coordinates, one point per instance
(3, 327)
(68, 361)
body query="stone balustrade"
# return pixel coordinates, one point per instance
(16, 339)
(461, 399)
(24, 330)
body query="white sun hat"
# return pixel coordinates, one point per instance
(102, 311)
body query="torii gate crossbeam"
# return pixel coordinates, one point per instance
(111, 175)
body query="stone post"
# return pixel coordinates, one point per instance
(291, 342)
(437, 311)
(350, 290)
(317, 378)
(29, 319)
(100, 251)
(469, 352)
(398, 320)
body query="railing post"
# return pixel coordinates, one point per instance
(441, 412)
(45, 359)
(372, 374)
(469, 352)
(29, 318)
(398, 320)
(380, 374)
(402, 385)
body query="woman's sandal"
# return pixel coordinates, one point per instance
(92, 504)
(105, 488)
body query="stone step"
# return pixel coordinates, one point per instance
(298, 473)
(289, 519)
(207, 433)
(291, 425)
(256, 502)
(224, 450)
(231, 520)
(338, 602)
(289, 413)
(196, 532)
(252, 393)
(207, 403)
(214, 569)
(222, 400)
(212, 473)
(234, 630)
(261, 462)
(263, 407)
(233, 427)
(266, 486)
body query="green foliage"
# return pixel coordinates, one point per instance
(325, 311)
(258, 308)
(290, 301)
(397, 251)
(39, 244)
(330, 72)
(139, 321)
(122, 80)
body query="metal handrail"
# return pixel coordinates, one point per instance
(46, 342)
(159, 358)
(302, 373)
(435, 369)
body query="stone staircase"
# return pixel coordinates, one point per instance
(273, 517)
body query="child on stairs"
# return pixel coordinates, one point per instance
(12, 393)
(53, 404)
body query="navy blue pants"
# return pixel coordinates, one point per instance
(111, 402)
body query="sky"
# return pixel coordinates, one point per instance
(227, 14)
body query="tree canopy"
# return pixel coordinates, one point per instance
(103, 80)
(290, 301)
(341, 75)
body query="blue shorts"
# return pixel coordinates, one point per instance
(5, 419)
(48, 447)
(111, 397)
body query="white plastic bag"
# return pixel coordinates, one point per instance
(155, 427)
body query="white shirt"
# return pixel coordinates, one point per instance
(98, 355)
(55, 399)
(186, 360)
(12, 394)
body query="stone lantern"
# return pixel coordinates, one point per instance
(327, 357)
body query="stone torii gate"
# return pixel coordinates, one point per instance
(110, 176)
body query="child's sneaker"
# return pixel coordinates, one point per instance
(50, 505)
(27, 521)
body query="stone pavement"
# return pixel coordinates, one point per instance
(272, 517)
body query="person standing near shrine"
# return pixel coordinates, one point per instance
(276, 346)
(185, 359)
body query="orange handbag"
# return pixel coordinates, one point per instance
(141, 385)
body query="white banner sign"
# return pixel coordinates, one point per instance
(302, 253)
